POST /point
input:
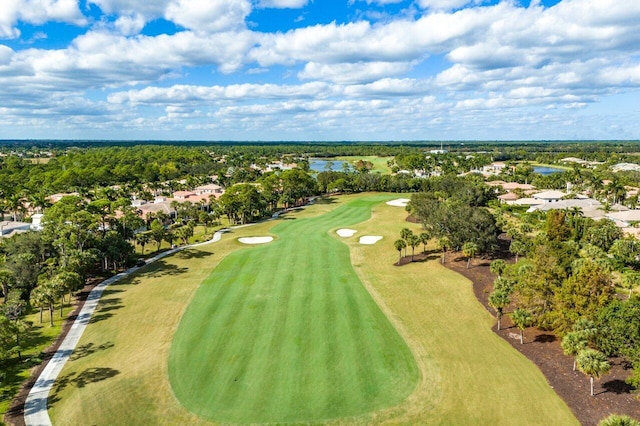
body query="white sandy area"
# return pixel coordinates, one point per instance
(255, 240)
(400, 202)
(344, 233)
(370, 239)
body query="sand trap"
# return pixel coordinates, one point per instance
(344, 233)
(370, 239)
(255, 240)
(400, 202)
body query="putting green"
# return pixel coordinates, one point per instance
(287, 333)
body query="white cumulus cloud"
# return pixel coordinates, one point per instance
(37, 12)
(283, 4)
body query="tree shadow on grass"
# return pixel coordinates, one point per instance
(109, 291)
(161, 269)
(100, 317)
(89, 349)
(90, 375)
(193, 254)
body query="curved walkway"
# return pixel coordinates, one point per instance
(35, 407)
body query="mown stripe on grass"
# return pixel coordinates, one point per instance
(298, 338)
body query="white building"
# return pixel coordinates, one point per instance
(549, 196)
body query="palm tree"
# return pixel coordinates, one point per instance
(38, 299)
(469, 249)
(618, 420)
(497, 267)
(414, 241)
(424, 239)
(499, 300)
(143, 239)
(631, 280)
(444, 244)
(399, 245)
(572, 344)
(15, 205)
(522, 319)
(518, 248)
(70, 282)
(594, 364)
(405, 234)
(39, 201)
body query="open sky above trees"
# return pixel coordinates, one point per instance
(314, 70)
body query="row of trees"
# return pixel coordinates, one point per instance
(567, 284)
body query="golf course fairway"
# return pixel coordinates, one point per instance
(286, 332)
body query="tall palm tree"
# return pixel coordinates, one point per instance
(572, 344)
(39, 202)
(469, 249)
(143, 239)
(518, 248)
(444, 244)
(406, 234)
(497, 267)
(15, 205)
(499, 300)
(522, 319)
(399, 245)
(631, 280)
(414, 241)
(424, 239)
(594, 364)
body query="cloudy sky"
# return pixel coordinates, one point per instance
(320, 69)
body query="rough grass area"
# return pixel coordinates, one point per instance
(467, 374)
(287, 333)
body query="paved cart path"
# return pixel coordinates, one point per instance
(35, 407)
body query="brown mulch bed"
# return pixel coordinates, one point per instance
(15, 414)
(612, 394)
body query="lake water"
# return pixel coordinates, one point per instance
(547, 170)
(318, 165)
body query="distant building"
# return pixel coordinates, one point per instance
(589, 207)
(624, 219)
(550, 196)
(626, 167)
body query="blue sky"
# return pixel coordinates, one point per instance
(362, 70)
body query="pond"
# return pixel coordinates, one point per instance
(321, 165)
(546, 170)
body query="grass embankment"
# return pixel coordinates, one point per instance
(468, 375)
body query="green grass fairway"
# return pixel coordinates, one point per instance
(119, 374)
(286, 332)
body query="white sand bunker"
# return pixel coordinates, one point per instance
(344, 233)
(400, 202)
(370, 239)
(255, 240)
